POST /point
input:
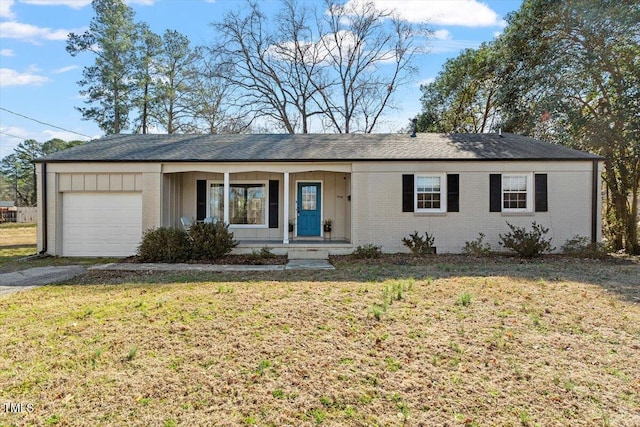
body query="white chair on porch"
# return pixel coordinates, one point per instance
(186, 222)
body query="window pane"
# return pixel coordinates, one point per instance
(428, 184)
(514, 183)
(216, 201)
(515, 200)
(428, 201)
(247, 203)
(309, 197)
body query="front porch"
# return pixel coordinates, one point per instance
(283, 207)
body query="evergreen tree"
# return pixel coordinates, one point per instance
(108, 83)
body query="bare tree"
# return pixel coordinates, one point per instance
(341, 66)
(369, 53)
(272, 65)
(209, 100)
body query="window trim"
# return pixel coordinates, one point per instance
(443, 193)
(265, 183)
(529, 192)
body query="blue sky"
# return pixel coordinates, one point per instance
(38, 78)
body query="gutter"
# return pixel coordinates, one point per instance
(44, 209)
(336, 160)
(594, 201)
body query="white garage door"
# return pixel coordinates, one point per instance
(101, 224)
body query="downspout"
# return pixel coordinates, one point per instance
(594, 202)
(44, 209)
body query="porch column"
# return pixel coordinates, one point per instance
(285, 207)
(226, 198)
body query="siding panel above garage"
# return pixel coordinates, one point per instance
(100, 182)
(101, 224)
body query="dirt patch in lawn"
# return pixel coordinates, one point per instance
(245, 259)
(350, 347)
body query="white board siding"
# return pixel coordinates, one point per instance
(101, 224)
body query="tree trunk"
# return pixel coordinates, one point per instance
(632, 246)
(145, 106)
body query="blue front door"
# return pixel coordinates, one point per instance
(309, 205)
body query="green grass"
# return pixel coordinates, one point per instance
(10, 225)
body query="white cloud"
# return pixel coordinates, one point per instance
(9, 77)
(7, 52)
(426, 81)
(5, 9)
(447, 46)
(466, 13)
(65, 69)
(66, 136)
(32, 33)
(75, 4)
(142, 2)
(441, 35)
(314, 52)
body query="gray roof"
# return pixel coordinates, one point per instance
(314, 147)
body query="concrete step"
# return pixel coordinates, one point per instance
(308, 253)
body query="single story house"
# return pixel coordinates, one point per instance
(278, 190)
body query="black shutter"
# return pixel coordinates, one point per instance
(201, 199)
(407, 193)
(274, 186)
(453, 192)
(542, 204)
(495, 192)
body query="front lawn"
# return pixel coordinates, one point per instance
(441, 341)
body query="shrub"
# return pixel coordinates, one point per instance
(164, 245)
(477, 247)
(367, 251)
(527, 244)
(419, 245)
(210, 241)
(583, 247)
(260, 257)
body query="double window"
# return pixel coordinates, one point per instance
(247, 203)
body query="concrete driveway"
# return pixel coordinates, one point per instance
(37, 276)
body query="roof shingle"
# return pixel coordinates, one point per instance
(314, 147)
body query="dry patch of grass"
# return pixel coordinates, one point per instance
(455, 349)
(16, 241)
(17, 235)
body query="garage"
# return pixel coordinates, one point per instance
(101, 224)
